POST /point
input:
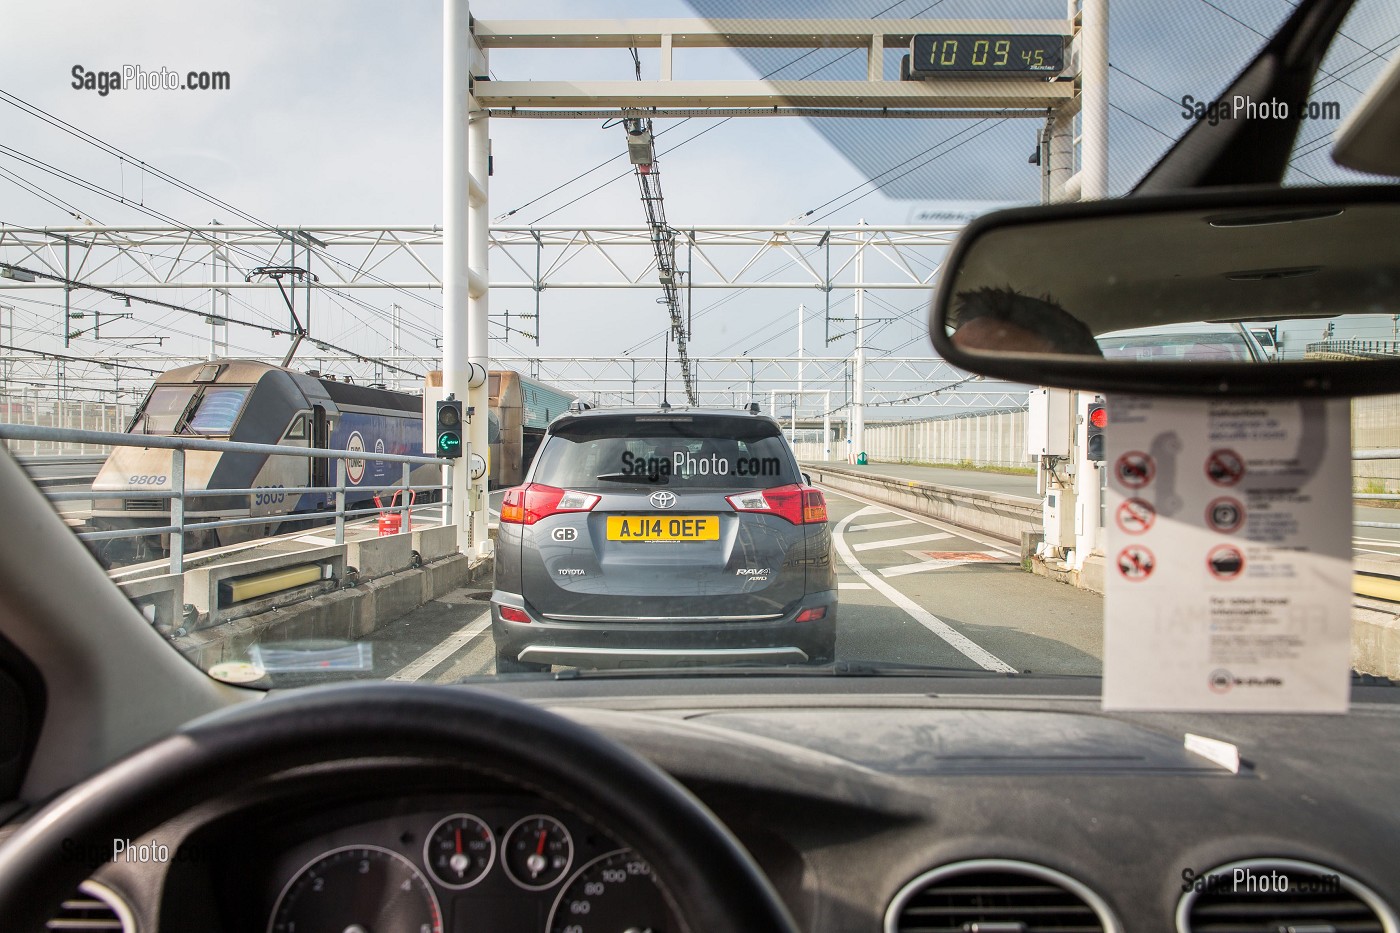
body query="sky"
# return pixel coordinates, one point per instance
(334, 117)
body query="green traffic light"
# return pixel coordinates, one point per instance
(449, 443)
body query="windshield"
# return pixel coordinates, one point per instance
(680, 376)
(163, 409)
(218, 409)
(682, 452)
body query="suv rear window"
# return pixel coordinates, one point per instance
(678, 451)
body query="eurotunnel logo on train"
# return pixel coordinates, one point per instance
(355, 469)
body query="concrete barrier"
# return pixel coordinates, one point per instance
(435, 543)
(202, 583)
(995, 514)
(378, 557)
(160, 598)
(343, 615)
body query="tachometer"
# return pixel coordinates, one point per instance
(459, 851)
(537, 852)
(357, 888)
(613, 892)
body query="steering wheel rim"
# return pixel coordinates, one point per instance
(710, 878)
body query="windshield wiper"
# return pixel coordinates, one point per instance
(660, 479)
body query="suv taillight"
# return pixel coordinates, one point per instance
(525, 505)
(801, 505)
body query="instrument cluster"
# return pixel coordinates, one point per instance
(456, 866)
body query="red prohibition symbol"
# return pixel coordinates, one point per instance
(1224, 468)
(1136, 563)
(1225, 562)
(1135, 516)
(1135, 469)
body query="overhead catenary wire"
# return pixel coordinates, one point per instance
(79, 133)
(115, 196)
(207, 315)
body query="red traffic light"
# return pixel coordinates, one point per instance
(1098, 416)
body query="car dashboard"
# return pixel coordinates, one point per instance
(903, 804)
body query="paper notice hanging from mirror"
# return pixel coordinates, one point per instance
(1228, 555)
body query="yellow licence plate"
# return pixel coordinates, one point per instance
(663, 528)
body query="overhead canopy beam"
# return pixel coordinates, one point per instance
(738, 33)
(995, 93)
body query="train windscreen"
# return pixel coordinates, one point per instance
(217, 410)
(162, 410)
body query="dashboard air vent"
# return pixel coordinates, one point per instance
(1266, 895)
(997, 896)
(93, 909)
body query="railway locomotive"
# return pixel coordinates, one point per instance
(251, 401)
(254, 402)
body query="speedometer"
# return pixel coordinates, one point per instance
(613, 892)
(357, 888)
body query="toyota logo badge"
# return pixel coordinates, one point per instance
(663, 500)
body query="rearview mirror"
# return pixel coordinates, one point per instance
(1261, 291)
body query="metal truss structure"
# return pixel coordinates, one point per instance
(736, 380)
(408, 257)
(897, 383)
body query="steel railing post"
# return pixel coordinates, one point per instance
(177, 511)
(405, 513)
(339, 500)
(446, 494)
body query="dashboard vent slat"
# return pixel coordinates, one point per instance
(1298, 896)
(94, 909)
(997, 895)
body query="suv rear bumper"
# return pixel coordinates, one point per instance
(678, 642)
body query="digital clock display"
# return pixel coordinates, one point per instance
(986, 54)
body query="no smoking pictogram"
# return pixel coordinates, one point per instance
(1135, 469)
(1225, 468)
(1225, 562)
(1135, 562)
(1135, 516)
(1225, 515)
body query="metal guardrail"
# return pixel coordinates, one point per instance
(1379, 453)
(1355, 346)
(178, 493)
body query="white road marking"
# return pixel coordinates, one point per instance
(931, 522)
(900, 542)
(444, 649)
(890, 524)
(852, 586)
(960, 642)
(934, 564)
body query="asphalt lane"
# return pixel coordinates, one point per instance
(913, 591)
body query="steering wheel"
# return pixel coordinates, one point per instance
(711, 880)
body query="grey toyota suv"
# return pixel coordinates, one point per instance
(660, 537)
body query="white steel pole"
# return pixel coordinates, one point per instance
(456, 191)
(858, 379)
(1093, 69)
(801, 366)
(479, 352)
(826, 425)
